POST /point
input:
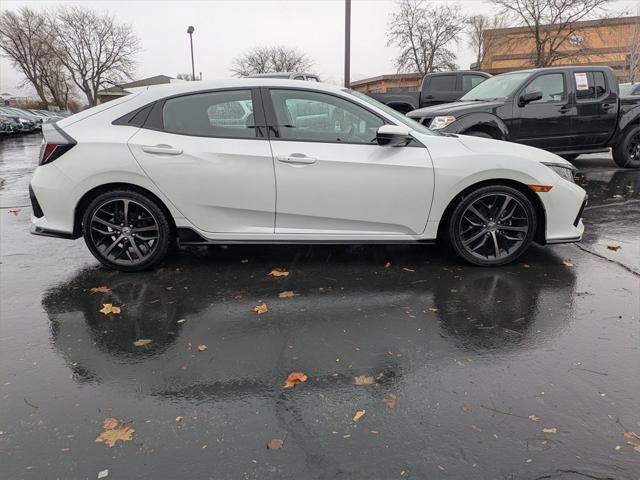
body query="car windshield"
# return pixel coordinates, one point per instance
(412, 124)
(496, 87)
(627, 89)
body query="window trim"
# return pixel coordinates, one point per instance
(552, 102)
(154, 120)
(272, 121)
(596, 99)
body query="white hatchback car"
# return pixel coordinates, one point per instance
(272, 161)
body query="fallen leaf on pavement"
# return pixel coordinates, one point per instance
(550, 430)
(358, 415)
(287, 294)
(114, 432)
(179, 418)
(294, 378)
(567, 263)
(279, 272)
(142, 342)
(613, 247)
(433, 309)
(533, 418)
(476, 428)
(390, 400)
(275, 444)
(260, 309)
(440, 467)
(102, 289)
(632, 435)
(363, 380)
(103, 474)
(108, 308)
(387, 265)
(15, 211)
(407, 269)
(182, 320)
(201, 347)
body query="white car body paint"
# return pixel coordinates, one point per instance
(239, 190)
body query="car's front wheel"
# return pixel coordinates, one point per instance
(492, 225)
(125, 230)
(626, 153)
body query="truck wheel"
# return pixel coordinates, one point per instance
(626, 153)
(478, 133)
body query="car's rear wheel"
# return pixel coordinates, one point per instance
(492, 225)
(626, 153)
(125, 230)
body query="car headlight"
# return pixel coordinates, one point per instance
(565, 171)
(440, 122)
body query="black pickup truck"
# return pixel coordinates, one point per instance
(435, 88)
(566, 110)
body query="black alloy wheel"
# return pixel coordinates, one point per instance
(126, 231)
(493, 225)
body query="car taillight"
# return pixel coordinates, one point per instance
(51, 151)
(56, 143)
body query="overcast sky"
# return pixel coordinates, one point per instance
(226, 28)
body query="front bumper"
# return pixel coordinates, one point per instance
(564, 205)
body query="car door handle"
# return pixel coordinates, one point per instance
(161, 149)
(607, 106)
(564, 109)
(296, 158)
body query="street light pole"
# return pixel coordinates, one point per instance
(190, 31)
(347, 43)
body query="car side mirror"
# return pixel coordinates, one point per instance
(530, 97)
(393, 136)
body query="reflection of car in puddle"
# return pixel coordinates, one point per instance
(502, 310)
(378, 326)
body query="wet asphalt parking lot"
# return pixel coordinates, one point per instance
(530, 371)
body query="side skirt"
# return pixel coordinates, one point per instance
(187, 236)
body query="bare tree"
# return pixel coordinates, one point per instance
(95, 49)
(552, 25)
(425, 35)
(271, 59)
(187, 77)
(480, 37)
(57, 81)
(633, 55)
(24, 39)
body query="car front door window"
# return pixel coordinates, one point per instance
(318, 117)
(550, 85)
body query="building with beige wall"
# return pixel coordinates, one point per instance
(608, 42)
(398, 82)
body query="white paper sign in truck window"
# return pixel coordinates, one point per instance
(581, 81)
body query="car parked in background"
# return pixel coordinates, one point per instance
(436, 88)
(565, 110)
(310, 163)
(30, 121)
(290, 75)
(629, 89)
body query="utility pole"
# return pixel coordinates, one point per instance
(190, 31)
(347, 43)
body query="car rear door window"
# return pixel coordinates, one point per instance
(443, 83)
(226, 114)
(594, 88)
(551, 85)
(314, 116)
(470, 81)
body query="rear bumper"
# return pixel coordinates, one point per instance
(43, 232)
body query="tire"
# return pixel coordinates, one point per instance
(626, 153)
(121, 245)
(478, 133)
(479, 238)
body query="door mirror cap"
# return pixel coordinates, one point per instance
(530, 97)
(393, 136)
